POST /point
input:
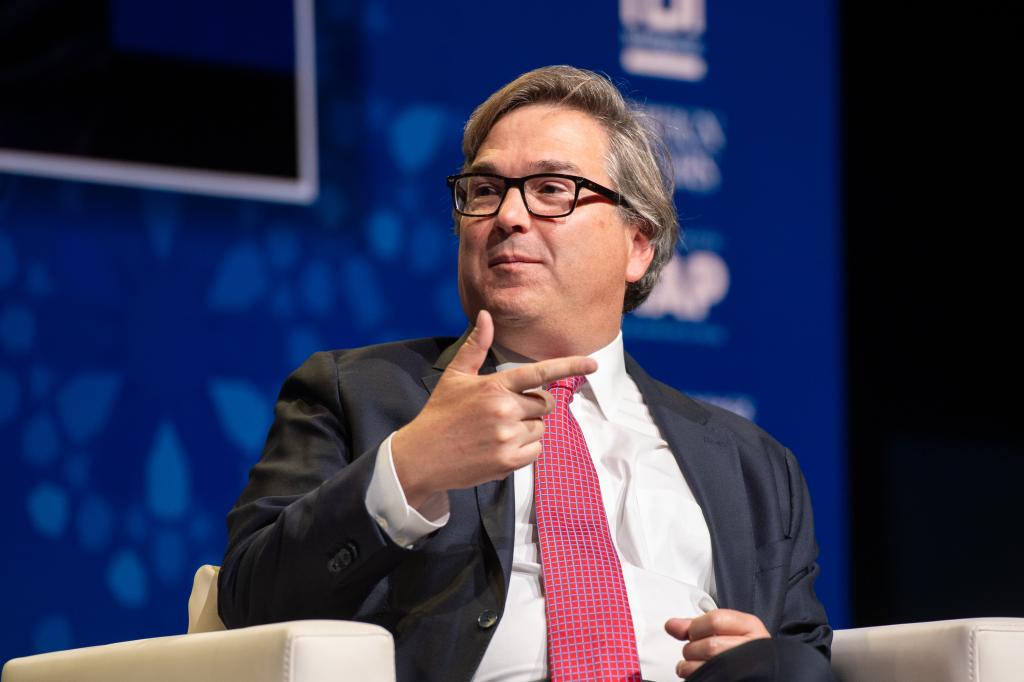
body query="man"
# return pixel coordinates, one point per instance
(502, 516)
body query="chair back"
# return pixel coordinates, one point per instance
(202, 603)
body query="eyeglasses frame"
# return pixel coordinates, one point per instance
(520, 183)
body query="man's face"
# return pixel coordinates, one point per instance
(527, 270)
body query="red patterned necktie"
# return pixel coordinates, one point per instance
(590, 629)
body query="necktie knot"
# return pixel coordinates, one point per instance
(565, 389)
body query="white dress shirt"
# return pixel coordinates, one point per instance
(656, 524)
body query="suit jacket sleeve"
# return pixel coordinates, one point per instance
(301, 543)
(802, 615)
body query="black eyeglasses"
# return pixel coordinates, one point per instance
(547, 195)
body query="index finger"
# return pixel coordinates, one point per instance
(678, 627)
(544, 372)
(722, 622)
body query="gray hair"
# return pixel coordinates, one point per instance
(638, 161)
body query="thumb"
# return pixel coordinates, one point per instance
(471, 355)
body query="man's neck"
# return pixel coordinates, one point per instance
(538, 343)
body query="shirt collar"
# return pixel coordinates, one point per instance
(605, 386)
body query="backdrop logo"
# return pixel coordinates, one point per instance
(678, 309)
(663, 38)
(696, 139)
(689, 286)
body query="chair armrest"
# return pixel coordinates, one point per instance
(297, 651)
(968, 650)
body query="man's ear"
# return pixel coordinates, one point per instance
(641, 253)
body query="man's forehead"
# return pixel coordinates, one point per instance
(538, 166)
(542, 138)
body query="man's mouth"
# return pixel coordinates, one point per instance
(510, 259)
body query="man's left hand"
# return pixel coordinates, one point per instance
(711, 634)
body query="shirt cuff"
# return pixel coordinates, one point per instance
(385, 500)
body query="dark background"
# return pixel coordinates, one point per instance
(931, 225)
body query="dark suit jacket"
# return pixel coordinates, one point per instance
(302, 545)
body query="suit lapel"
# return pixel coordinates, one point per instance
(494, 501)
(710, 463)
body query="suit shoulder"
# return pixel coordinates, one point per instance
(327, 376)
(407, 353)
(747, 434)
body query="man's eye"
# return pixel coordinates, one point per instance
(554, 188)
(483, 190)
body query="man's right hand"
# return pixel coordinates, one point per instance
(474, 428)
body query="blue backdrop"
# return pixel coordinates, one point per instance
(144, 334)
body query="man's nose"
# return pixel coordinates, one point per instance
(512, 215)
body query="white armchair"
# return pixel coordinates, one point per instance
(297, 651)
(967, 650)
(971, 650)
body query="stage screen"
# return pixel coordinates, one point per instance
(214, 98)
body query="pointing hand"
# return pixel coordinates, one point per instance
(477, 428)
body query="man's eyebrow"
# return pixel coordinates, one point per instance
(542, 166)
(552, 166)
(481, 167)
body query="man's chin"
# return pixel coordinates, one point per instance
(512, 317)
(513, 312)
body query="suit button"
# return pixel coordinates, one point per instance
(487, 619)
(343, 559)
